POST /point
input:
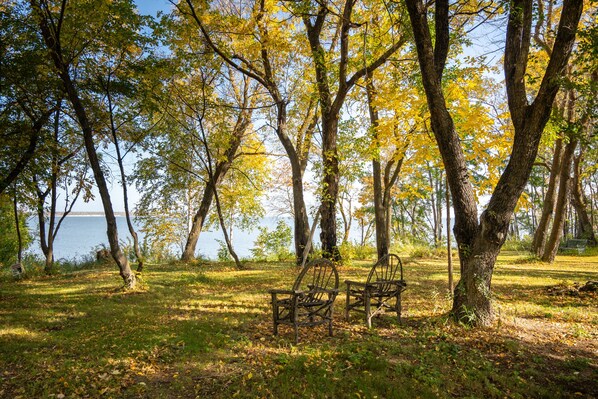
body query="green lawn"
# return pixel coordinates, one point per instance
(205, 331)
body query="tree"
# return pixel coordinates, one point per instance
(383, 182)
(58, 164)
(332, 93)
(27, 92)
(479, 241)
(264, 60)
(97, 25)
(570, 121)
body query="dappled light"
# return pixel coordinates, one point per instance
(209, 332)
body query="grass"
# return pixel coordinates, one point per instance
(205, 331)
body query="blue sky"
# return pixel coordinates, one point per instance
(151, 7)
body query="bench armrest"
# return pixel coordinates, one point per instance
(379, 282)
(281, 292)
(358, 283)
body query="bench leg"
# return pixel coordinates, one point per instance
(398, 307)
(368, 309)
(296, 333)
(330, 321)
(347, 303)
(275, 318)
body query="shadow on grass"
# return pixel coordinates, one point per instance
(207, 332)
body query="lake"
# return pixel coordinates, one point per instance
(79, 236)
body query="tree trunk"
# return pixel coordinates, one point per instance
(539, 241)
(330, 107)
(49, 264)
(298, 160)
(227, 239)
(123, 177)
(18, 228)
(552, 245)
(297, 155)
(197, 223)
(346, 215)
(586, 230)
(382, 229)
(329, 189)
(51, 37)
(449, 248)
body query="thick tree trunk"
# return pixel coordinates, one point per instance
(586, 230)
(552, 245)
(539, 241)
(51, 37)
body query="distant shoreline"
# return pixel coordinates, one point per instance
(90, 214)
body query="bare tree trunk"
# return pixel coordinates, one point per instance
(552, 245)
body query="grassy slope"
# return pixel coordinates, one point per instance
(205, 331)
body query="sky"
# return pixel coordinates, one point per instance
(151, 7)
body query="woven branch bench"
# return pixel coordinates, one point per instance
(382, 290)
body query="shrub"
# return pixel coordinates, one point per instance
(273, 244)
(517, 244)
(223, 254)
(351, 251)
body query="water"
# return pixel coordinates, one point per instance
(81, 236)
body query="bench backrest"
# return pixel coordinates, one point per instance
(388, 268)
(319, 273)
